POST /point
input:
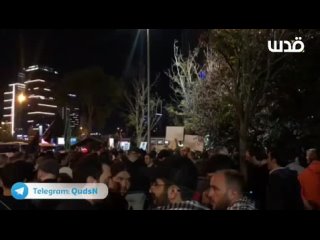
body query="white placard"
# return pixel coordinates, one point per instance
(173, 133)
(194, 142)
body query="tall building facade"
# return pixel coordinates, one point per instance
(74, 119)
(30, 105)
(73, 110)
(13, 106)
(41, 108)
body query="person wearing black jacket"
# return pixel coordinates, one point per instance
(48, 171)
(88, 170)
(9, 175)
(283, 191)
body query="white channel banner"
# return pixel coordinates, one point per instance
(22, 191)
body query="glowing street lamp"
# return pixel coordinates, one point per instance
(21, 98)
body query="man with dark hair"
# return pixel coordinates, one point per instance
(180, 198)
(219, 162)
(283, 191)
(26, 170)
(257, 173)
(85, 172)
(10, 175)
(159, 192)
(310, 180)
(106, 173)
(227, 189)
(48, 171)
(121, 176)
(184, 151)
(118, 185)
(186, 173)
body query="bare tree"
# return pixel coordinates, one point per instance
(185, 83)
(138, 108)
(196, 100)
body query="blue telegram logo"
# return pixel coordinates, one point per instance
(19, 191)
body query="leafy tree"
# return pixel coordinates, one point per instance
(229, 82)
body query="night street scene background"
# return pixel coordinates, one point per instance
(165, 119)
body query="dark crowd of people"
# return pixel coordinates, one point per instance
(169, 180)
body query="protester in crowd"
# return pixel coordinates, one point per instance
(192, 156)
(150, 170)
(66, 170)
(64, 178)
(135, 166)
(205, 199)
(164, 158)
(185, 172)
(257, 175)
(17, 156)
(114, 154)
(295, 165)
(26, 170)
(149, 159)
(104, 155)
(120, 175)
(212, 165)
(227, 188)
(106, 173)
(118, 185)
(180, 198)
(221, 151)
(218, 162)
(159, 192)
(48, 171)
(61, 157)
(310, 181)
(86, 171)
(283, 191)
(3, 160)
(73, 158)
(9, 175)
(184, 151)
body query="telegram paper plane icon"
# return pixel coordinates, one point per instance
(19, 191)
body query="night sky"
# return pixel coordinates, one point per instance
(68, 50)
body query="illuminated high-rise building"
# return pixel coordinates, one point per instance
(13, 106)
(41, 107)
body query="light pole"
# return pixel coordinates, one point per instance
(148, 86)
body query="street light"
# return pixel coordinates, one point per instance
(21, 98)
(148, 78)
